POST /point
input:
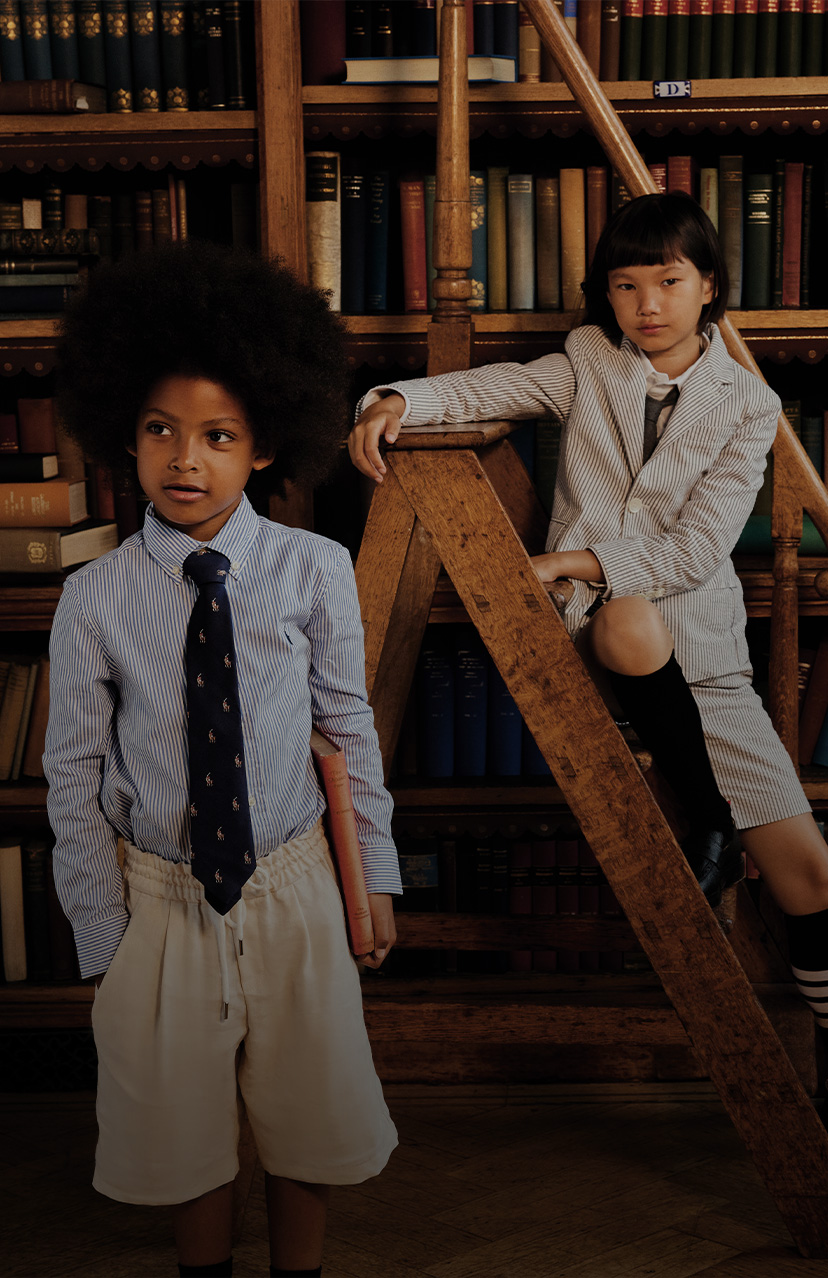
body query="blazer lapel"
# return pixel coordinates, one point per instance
(708, 390)
(629, 391)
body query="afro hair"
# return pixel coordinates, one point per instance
(204, 310)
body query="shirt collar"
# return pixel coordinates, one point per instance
(658, 384)
(169, 547)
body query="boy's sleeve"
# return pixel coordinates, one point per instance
(709, 524)
(341, 711)
(497, 392)
(82, 703)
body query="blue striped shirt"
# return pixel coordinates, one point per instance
(116, 748)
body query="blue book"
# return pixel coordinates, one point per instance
(116, 48)
(520, 206)
(376, 250)
(91, 52)
(174, 50)
(435, 704)
(484, 27)
(424, 30)
(63, 40)
(146, 55)
(37, 53)
(470, 703)
(506, 24)
(354, 228)
(11, 42)
(504, 728)
(479, 268)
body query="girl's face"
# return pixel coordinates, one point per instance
(659, 307)
(195, 451)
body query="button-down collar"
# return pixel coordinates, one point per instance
(169, 547)
(658, 383)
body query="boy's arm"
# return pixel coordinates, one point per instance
(81, 709)
(543, 388)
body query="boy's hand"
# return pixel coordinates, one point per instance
(379, 421)
(381, 905)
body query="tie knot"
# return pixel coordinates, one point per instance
(206, 565)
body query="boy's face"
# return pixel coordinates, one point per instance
(195, 452)
(658, 308)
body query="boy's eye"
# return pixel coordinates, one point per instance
(220, 437)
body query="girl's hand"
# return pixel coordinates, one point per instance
(379, 421)
(381, 905)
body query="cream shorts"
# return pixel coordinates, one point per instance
(197, 1010)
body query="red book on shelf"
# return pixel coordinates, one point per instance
(792, 233)
(412, 212)
(680, 173)
(342, 835)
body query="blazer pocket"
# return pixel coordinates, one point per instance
(557, 528)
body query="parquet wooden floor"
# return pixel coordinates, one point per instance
(613, 1181)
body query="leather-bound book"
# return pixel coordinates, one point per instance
(756, 290)
(63, 40)
(89, 18)
(767, 37)
(597, 196)
(12, 66)
(548, 254)
(813, 38)
(117, 50)
(498, 270)
(344, 840)
(724, 19)
(37, 53)
(701, 39)
(654, 40)
(744, 39)
(573, 237)
(145, 47)
(792, 234)
(730, 223)
(237, 95)
(412, 219)
(632, 21)
(589, 32)
(214, 45)
(323, 40)
(678, 40)
(789, 57)
(323, 220)
(520, 192)
(610, 63)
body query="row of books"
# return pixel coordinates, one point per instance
(488, 872)
(811, 426)
(24, 711)
(37, 940)
(621, 39)
(533, 235)
(148, 55)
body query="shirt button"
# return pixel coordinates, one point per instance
(634, 505)
(251, 803)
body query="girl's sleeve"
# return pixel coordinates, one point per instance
(341, 711)
(543, 388)
(82, 702)
(710, 522)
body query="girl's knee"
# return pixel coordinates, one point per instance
(629, 636)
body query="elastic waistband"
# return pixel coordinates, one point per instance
(174, 880)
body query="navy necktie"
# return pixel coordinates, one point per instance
(653, 408)
(220, 831)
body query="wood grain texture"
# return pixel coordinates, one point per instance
(279, 116)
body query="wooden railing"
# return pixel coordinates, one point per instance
(797, 486)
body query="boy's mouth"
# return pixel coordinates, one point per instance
(183, 492)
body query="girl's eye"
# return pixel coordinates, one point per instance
(671, 281)
(157, 428)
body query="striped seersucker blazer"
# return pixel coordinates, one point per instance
(665, 529)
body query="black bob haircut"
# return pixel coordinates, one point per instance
(204, 310)
(651, 231)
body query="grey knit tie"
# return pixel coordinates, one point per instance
(653, 409)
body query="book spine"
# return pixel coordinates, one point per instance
(9, 440)
(173, 51)
(51, 241)
(678, 40)
(323, 40)
(654, 40)
(744, 39)
(789, 56)
(503, 727)
(573, 237)
(27, 467)
(100, 220)
(484, 27)
(758, 232)
(430, 195)
(324, 229)
(550, 71)
(116, 49)
(358, 29)
(701, 39)
(506, 37)
(376, 281)
(724, 19)
(25, 717)
(11, 713)
(730, 223)
(354, 208)
(497, 239)
(588, 19)
(146, 55)
(680, 173)
(424, 29)
(216, 81)
(36, 742)
(813, 37)
(792, 235)
(778, 233)
(161, 217)
(435, 706)
(597, 196)
(470, 703)
(547, 455)
(529, 49)
(45, 505)
(548, 201)
(807, 220)
(234, 61)
(632, 21)
(199, 91)
(767, 37)
(521, 236)
(11, 911)
(36, 909)
(610, 65)
(479, 273)
(63, 40)
(91, 50)
(12, 66)
(412, 216)
(37, 54)
(143, 220)
(346, 851)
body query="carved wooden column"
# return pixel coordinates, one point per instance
(450, 330)
(786, 532)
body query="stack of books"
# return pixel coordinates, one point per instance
(37, 940)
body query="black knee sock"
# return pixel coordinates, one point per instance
(295, 1273)
(664, 714)
(223, 1269)
(808, 952)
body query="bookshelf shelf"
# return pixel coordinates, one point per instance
(781, 105)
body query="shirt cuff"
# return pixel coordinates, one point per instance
(382, 870)
(382, 392)
(97, 944)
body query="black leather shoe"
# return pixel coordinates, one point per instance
(715, 858)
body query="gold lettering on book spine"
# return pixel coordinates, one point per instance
(117, 24)
(143, 21)
(89, 23)
(9, 26)
(35, 25)
(177, 100)
(173, 22)
(149, 100)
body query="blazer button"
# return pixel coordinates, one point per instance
(634, 505)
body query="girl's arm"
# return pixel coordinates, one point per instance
(81, 710)
(543, 388)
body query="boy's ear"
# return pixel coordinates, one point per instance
(261, 460)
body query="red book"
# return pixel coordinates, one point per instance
(680, 173)
(342, 835)
(323, 41)
(588, 19)
(659, 175)
(412, 211)
(8, 433)
(792, 233)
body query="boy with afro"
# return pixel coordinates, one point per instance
(207, 365)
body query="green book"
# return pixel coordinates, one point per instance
(11, 43)
(767, 36)
(701, 39)
(789, 57)
(813, 36)
(497, 253)
(724, 21)
(632, 15)
(678, 40)
(91, 54)
(520, 198)
(730, 223)
(756, 537)
(146, 55)
(744, 39)
(173, 15)
(758, 233)
(548, 222)
(778, 233)
(116, 47)
(654, 40)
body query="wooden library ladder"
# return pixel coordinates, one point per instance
(459, 497)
